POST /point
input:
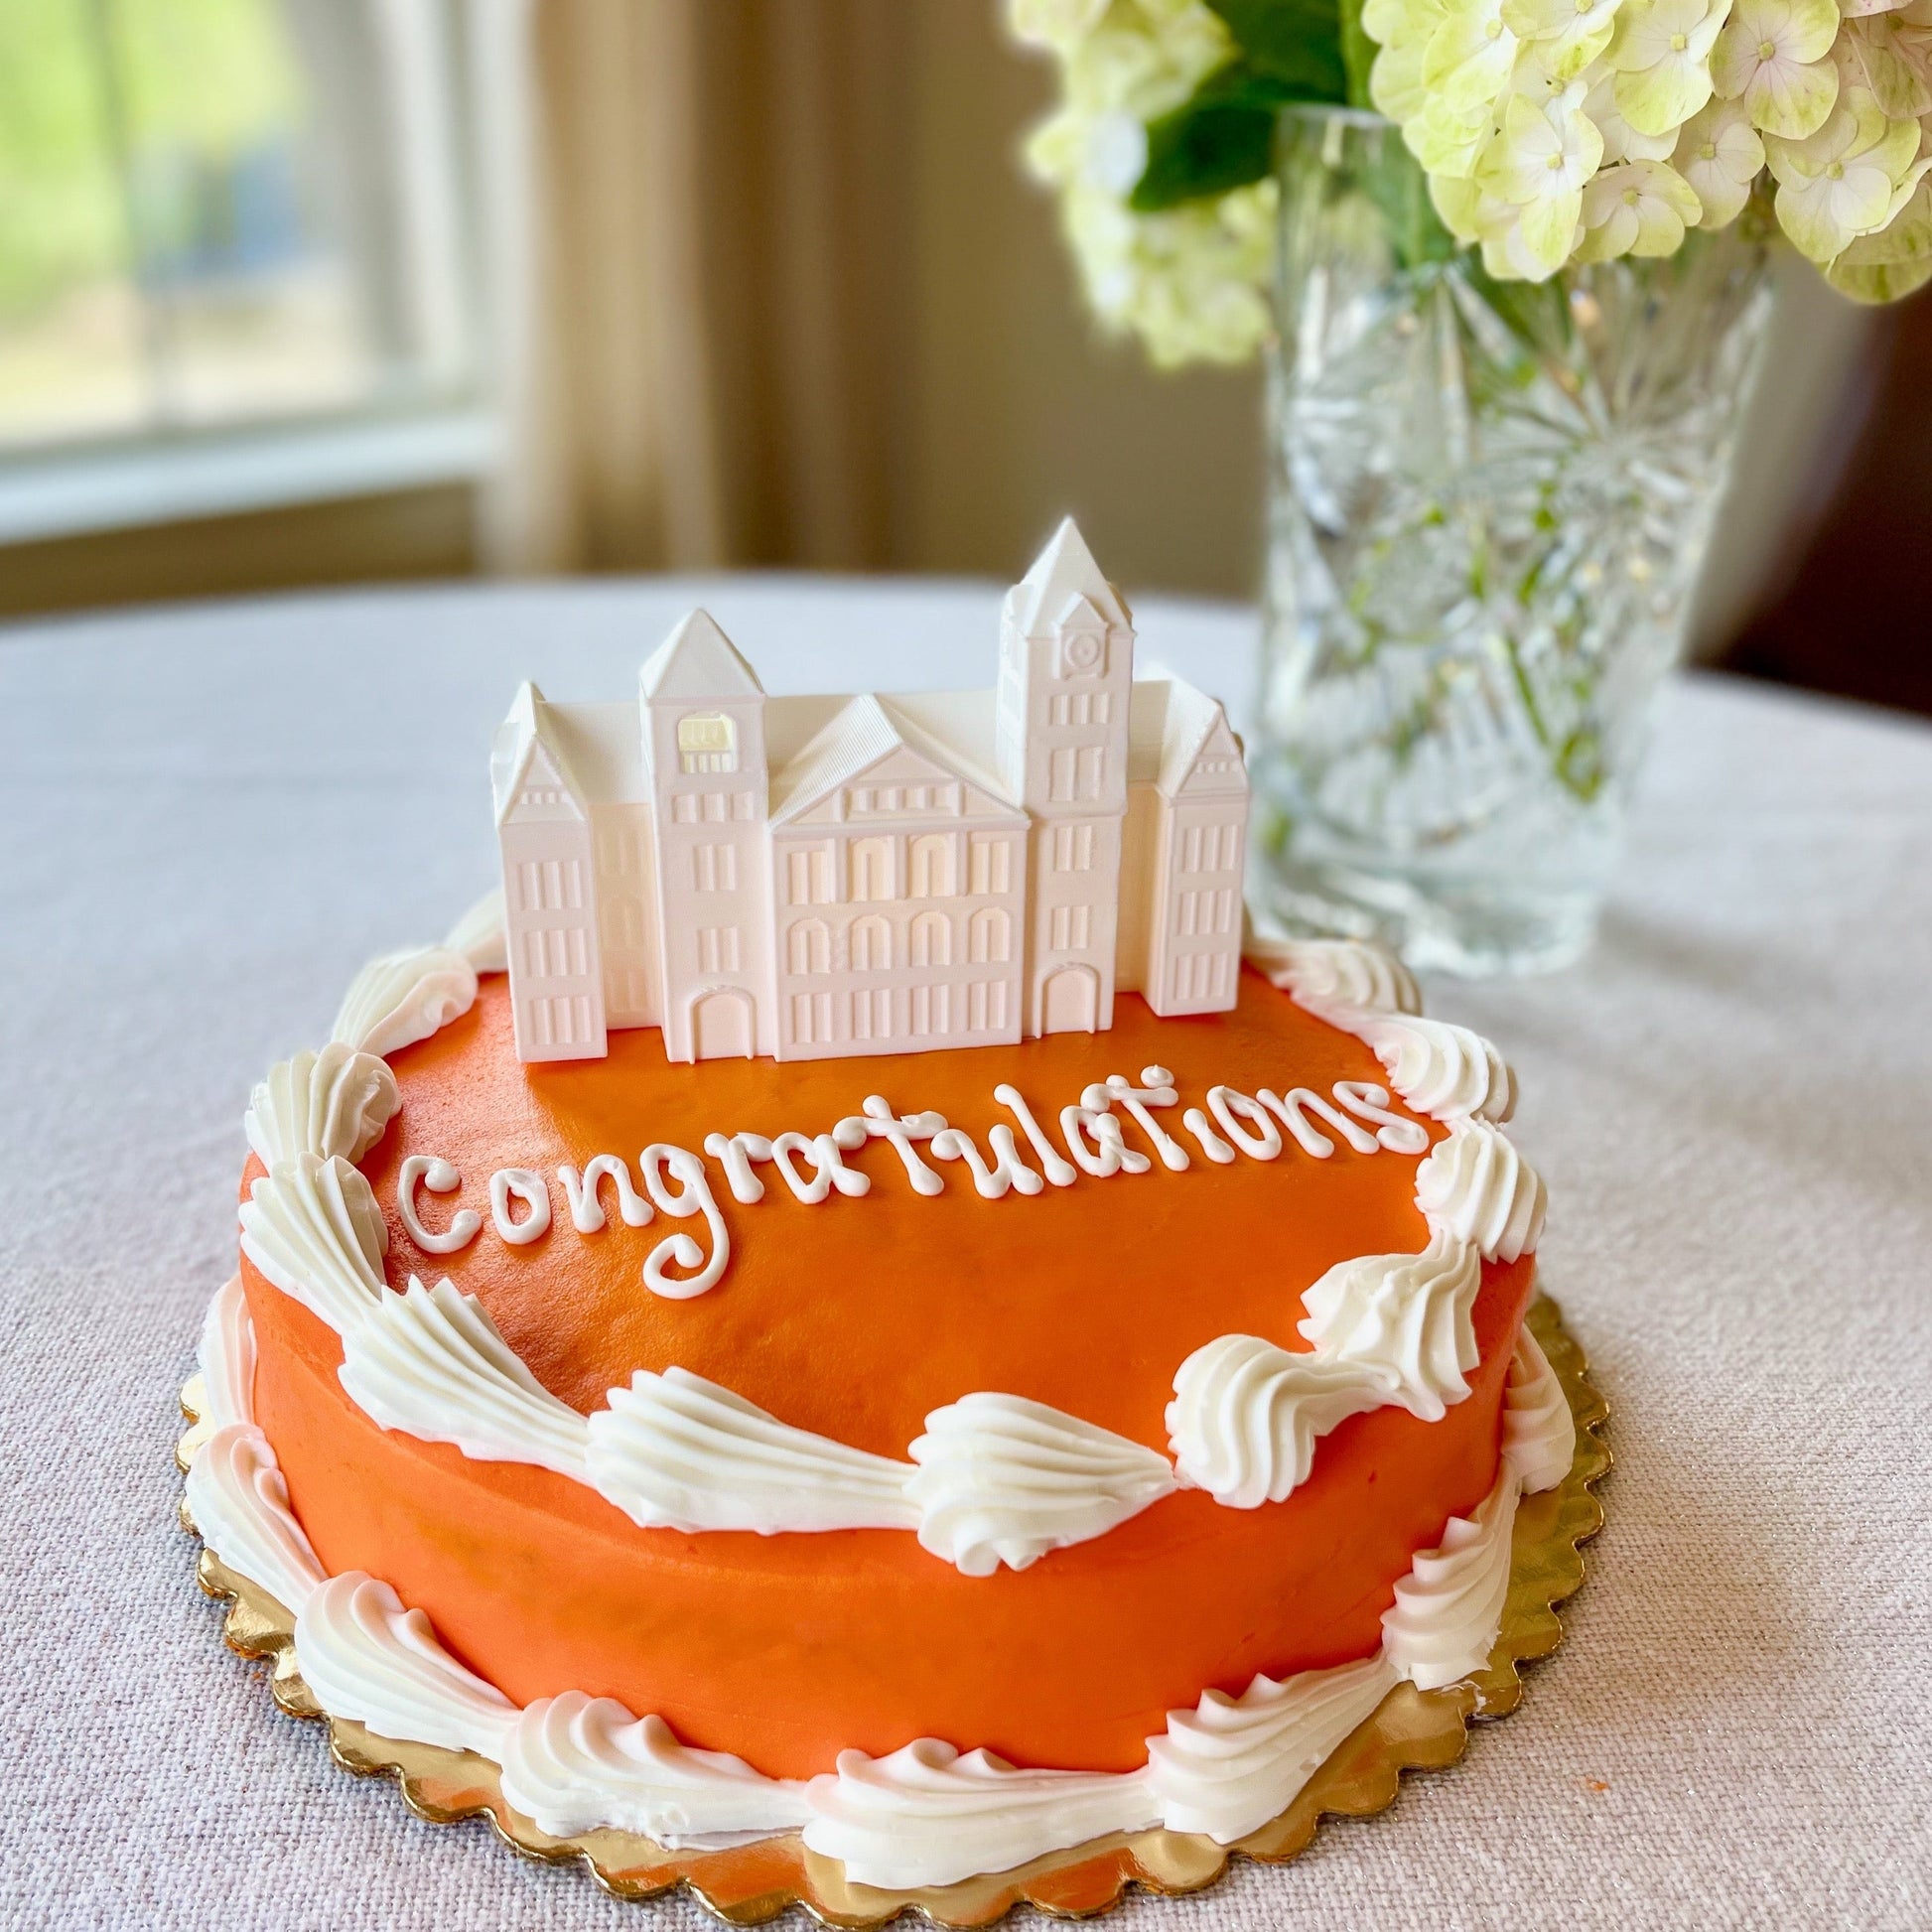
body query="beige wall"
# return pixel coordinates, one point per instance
(1020, 412)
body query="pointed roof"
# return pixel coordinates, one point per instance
(527, 729)
(1193, 720)
(697, 661)
(1063, 571)
(861, 735)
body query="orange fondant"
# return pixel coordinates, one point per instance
(855, 1318)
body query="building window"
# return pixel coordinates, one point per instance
(872, 870)
(1073, 848)
(707, 742)
(714, 868)
(1211, 848)
(932, 940)
(991, 864)
(871, 1014)
(550, 886)
(871, 945)
(808, 947)
(811, 1019)
(985, 1006)
(808, 876)
(717, 949)
(1092, 768)
(989, 936)
(1060, 776)
(1069, 928)
(932, 866)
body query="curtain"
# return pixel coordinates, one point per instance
(707, 356)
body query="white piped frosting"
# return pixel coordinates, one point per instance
(1004, 1479)
(575, 1763)
(928, 1814)
(312, 1229)
(480, 935)
(1442, 1070)
(1323, 972)
(225, 1355)
(404, 996)
(430, 1362)
(925, 1814)
(365, 1657)
(1246, 1414)
(1449, 1609)
(240, 1506)
(1538, 1431)
(1231, 1765)
(1476, 1186)
(335, 1102)
(1403, 1321)
(675, 1451)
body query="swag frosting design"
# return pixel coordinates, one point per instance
(925, 1814)
(995, 1479)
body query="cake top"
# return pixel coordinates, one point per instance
(807, 878)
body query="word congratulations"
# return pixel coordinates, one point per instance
(676, 1182)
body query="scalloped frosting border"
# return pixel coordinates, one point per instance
(996, 1478)
(751, 1878)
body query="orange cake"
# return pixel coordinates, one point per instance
(1072, 1480)
(1073, 1422)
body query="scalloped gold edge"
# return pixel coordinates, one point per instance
(751, 1885)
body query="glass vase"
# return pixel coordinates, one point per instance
(1489, 504)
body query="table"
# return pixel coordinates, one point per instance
(214, 815)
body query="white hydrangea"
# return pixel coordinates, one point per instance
(1687, 104)
(1552, 132)
(1193, 281)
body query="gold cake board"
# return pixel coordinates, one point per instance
(1411, 1730)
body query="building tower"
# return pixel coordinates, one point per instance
(550, 933)
(704, 747)
(1066, 675)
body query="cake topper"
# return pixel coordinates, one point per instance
(814, 877)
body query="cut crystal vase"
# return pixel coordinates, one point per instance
(1489, 505)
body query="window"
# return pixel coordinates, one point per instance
(224, 216)
(714, 868)
(871, 945)
(808, 876)
(1060, 776)
(549, 885)
(932, 865)
(991, 866)
(932, 1008)
(986, 1004)
(1073, 848)
(808, 947)
(707, 742)
(871, 1014)
(872, 869)
(989, 936)
(717, 949)
(932, 940)
(1211, 848)
(1069, 928)
(1092, 768)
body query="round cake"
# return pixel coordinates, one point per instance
(949, 1456)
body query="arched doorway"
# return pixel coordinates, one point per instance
(1070, 1001)
(721, 1024)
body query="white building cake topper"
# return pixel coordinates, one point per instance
(812, 876)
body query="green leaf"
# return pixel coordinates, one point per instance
(1358, 54)
(1297, 43)
(1205, 148)
(1223, 138)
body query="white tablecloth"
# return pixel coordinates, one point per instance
(211, 816)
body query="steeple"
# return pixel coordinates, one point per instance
(1062, 571)
(697, 661)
